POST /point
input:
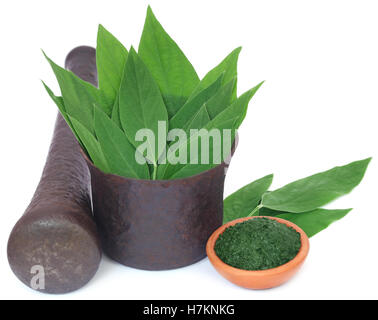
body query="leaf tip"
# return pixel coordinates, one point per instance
(132, 50)
(255, 89)
(133, 55)
(364, 162)
(44, 83)
(100, 31)
(150, 13)
(45, 55)
(261, 83)
(52, 63)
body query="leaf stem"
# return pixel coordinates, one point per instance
(255, 210)
(154, 172)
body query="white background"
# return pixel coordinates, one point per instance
(317, 109)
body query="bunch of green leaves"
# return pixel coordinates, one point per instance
(300, 201)
(137, 90)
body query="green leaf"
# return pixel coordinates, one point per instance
(231, 116)
(115, 113)
(314, 221)
(92, 146)
(317, 190)
(60, 104)
(244, 112)
(200, 119)
(111, 57)
(228, 66)
(221, 100)
(79, 96)
(227, 119)
(270, 212)
(169, 66)
(192, 106)
(140, 102)
(240, 203)
(118, 151)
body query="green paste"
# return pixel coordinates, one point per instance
(257, 244)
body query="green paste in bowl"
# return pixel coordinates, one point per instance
(258, 244)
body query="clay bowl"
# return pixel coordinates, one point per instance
(260, 279)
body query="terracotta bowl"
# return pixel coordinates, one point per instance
(260, 279)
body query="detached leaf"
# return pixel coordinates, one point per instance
(111, 57)
(228, 66)
(118, 151)
(269, 212)
(317, 190)
(92, 146)
(173, 72)
(314, 221)
(241, 203)
(140, 102)
(79, 96)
